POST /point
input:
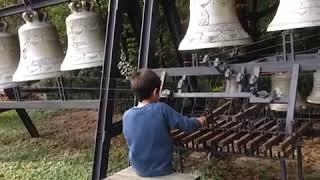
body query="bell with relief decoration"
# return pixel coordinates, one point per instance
(40, 50)
(280, 83)
(85, 37)
(212, 24)
(9, 51)
(293, 14)
(314, 97)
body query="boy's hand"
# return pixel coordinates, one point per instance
(202, 120)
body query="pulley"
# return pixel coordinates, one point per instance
(213, 23)
(40, 50)
(9, 51)
(280, 84)
(85, 37)
(314, 97)
(293, 14)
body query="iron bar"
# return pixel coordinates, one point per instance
(150, 15)
(70, 104)
(292, 99)
(307, 62)
(106, 104)
(36, 4)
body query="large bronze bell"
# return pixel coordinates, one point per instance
(314, 97)
(40, 50)
(85, 37)
(9, 51)
(212, 24)
(293, 14)
(280, 84)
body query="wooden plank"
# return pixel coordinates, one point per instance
(257, 140)
(206, 137)
(271, 142)
(266, 126)
(218, 138)
(289, 140)
(192, 136)
(244, 139)
(175, 132)
(247, 112)
(229, 139)
(130, 174)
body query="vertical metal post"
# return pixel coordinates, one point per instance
(293, 56)
(135, 16)
(284, 45)
(292, 98)
(150, 14)
(299, 161)
(174, 23)
(283, 168)
(106, 107)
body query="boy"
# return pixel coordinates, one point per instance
(146, 127)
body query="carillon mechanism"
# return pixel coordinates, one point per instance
(85, 37)
(213, 24)
(244, 133)
(243, 119)
(314, 97)
(280, 84)
(9, 51)
(293, 14)
(41, 54)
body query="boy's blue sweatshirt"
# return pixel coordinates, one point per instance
(147, 131)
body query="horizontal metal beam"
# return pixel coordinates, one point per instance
(36, 4)
(71, 104)
(307, 62)
(211, 95)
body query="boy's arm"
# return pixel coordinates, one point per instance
(178, 121)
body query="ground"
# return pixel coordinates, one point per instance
(65, 151)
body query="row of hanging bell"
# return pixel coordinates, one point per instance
(86, 37)
(294, 14)
(41, 55)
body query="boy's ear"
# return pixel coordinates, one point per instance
(156, 91)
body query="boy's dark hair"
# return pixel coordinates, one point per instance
(144, 82)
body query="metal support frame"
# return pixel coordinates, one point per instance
(292, 99)
(22, 113)
(105, 127)
(36, 4)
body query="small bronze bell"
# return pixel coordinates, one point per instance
(213, 23)
(9, 51)
(85, 37)
(40, 50)
(280, 83)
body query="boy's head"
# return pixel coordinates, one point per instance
(146, 85)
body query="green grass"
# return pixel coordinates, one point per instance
(22, 157)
